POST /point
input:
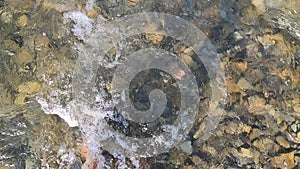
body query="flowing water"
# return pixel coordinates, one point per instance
(65, 64)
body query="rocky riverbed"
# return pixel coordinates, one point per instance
(258, 42)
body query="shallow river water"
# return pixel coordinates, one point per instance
(125, 84)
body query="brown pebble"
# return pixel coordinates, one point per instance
(283, 142)
(231, 128)
(20, 99)
(196, 160)
(245, 152)
(239, 67)
(187, 167)
(92, 13)
(154, 37)
(283, 161)
(246, 128)
(256, 104)
(22, 21)
(265, 145)
(133, 2)
(23, 57)
(30, 87)
(232, 87)
(255, 134)
(296, 108)
(260, 5)
(244, 84)
(186, 59)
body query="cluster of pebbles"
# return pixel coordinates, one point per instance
(259, 42)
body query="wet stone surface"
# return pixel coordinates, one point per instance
(259, 47)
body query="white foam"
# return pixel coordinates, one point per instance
(83, 25)
(89, 5)
(58, 110)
